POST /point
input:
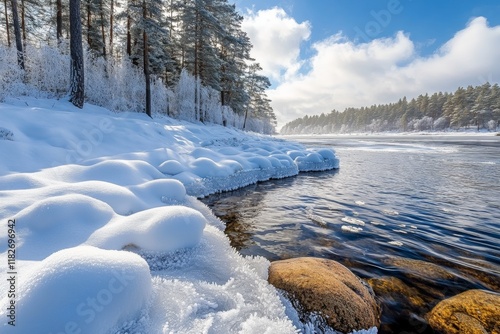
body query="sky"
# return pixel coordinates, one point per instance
(322, 55)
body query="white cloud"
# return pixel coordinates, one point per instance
(276, 38)
(347, 74)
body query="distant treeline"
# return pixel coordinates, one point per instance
(477, 107)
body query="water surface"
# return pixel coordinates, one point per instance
(418, 214)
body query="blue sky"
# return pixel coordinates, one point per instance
(425, 20)
(395, 45)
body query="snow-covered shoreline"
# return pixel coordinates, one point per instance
(397, 134)
(107, 236)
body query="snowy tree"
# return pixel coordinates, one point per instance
(161, 38)
(473, 105)
(258, 105)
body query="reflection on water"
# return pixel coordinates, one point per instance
(417, 214)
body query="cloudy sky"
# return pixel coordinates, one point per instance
(332, 54)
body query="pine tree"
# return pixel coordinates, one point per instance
(96, 23)
(203, 36)
(258, 105)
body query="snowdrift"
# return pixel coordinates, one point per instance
(109, 237)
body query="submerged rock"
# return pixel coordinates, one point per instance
(419, 269)
(473, 311)
(327, 288)
(395, 291)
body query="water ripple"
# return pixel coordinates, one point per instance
(433, 200)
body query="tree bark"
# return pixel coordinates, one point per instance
(101, 9)
(89, 25)
(59, 23)
(111, 22)
(7, 22)
(196, 65)
(23, 22)
(77, 90)
(146, 60)
(129, 34)
(17, 33)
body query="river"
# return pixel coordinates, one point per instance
(417, 215)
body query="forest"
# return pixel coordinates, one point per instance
(186, 59)
(467, 108)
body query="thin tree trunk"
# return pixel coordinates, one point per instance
(196, 65)
(251, 92)
(196, 44)
(77, 90)
(245, 120)
(146, 61)
(129, 34)
(17, 33)
(111, 22)
(89, 25)
(23, 22)
(7, 22)
(59, 23)
(102, 29)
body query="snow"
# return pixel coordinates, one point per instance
(159, 229)
(110, 237)
(83, 289)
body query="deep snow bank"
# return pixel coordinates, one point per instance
(108, 239)
(82, 290)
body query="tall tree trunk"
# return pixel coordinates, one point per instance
(17, 33)
(196, 65)
(129, 34)
(102, 29)
(245, 119)
(111, 22)
(23, 22)
(7, 22)
(250, 93)
(59, 21)
(89, 25)
(77, 90)
(146, 60)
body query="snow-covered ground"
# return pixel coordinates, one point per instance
(108, 236)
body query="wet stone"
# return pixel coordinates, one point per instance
(327, 288)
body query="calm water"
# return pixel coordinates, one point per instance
(418, 215)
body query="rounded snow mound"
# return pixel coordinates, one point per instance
(206, 167)
(161, 189)
(171, 167)
(162, 229)
(120, 172)
(82, 290)
(327, 153)
(59, 222)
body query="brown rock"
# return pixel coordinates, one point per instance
(473, 311)
(328, 288)
(420, 269)
(395, 290)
